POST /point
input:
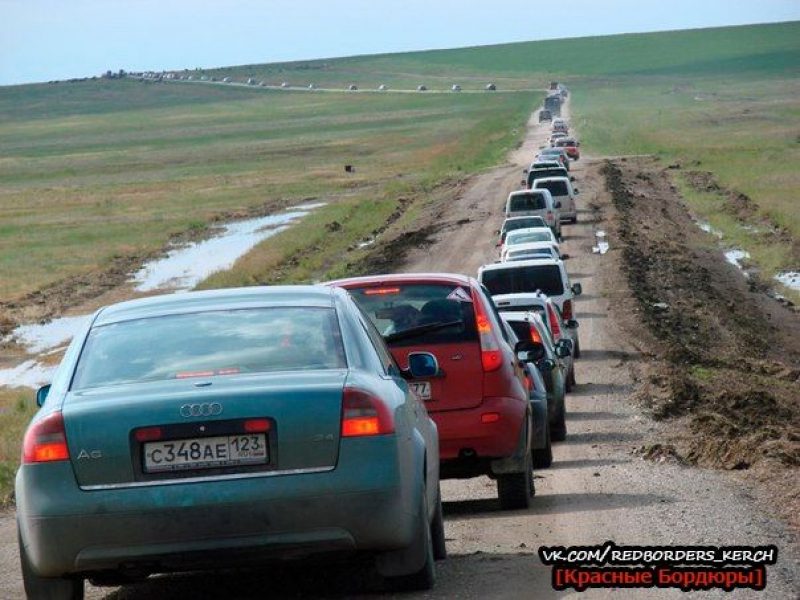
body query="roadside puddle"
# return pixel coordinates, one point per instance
(179, 271)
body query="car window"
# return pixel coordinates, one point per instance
(529, 254)
(212, 343)
(521, 279)
(522, 223)
(526, 237)
(520, 202)
(557, 188)
(387, 360)
(396, 308)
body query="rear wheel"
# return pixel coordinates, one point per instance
(558, 430)
(437, 530)
(571, 379)
(425, 577)
(515, 490)
(577, 348)
(47, 588)
(543, 457)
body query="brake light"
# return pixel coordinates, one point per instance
(45, 440)
(148, 434)
(257, 425)
(491, 417)
(535, 337)
(554, 326)
(381, 291)
(364, 414)
(566, 312)
(491, 355)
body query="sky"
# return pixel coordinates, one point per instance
(41, 40)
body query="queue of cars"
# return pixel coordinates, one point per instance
(211, 429)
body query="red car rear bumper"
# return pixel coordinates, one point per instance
(465, 432)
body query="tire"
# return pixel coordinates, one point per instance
(437, 531)
(47, 588)
(425, 578)
(571, 379)
(516, 489)
(558, 429)
(577, 348)
(543, 458)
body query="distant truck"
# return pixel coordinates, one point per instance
(553, 85)
(553, 104)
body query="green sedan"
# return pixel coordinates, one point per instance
(209, 429)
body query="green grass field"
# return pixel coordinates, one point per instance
(79, 187)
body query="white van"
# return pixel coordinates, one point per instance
(563, 195)
(520, 281)
(535, 203)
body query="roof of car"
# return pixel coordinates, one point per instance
(378, 280)
(534, 245)
(524, 230)
(523, 217)
(225, 299)
(547, 179)
(527, 193)
(518, 264)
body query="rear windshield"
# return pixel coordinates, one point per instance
(527, 254)
(517, 280)
(522, 223)
(542, 173)
(395, 309)
(212, 343)
(522, 202)
(522, 308)
(522, 329)
(528, 237)
(557, 188)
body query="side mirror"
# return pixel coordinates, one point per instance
(577, 289)
(422, 364)
(571, 324)
(576, 191)
(562, 349)
(41, 394)
(529, 351)
(547, 364)
(524, 170)
(565, 257)
(523, 182)
(572, 177)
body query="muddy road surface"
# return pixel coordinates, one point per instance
(599, 487)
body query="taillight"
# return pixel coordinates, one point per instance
(566, 312)
(554, 327)
(491, 355)
(45, 440)
(364, 414)
(535, 337)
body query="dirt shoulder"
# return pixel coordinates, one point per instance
(727, 365)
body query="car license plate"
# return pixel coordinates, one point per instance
(205, 453)
(422, 389)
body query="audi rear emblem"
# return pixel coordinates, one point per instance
(206, 409)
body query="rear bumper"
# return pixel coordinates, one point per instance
(462, 434)
(165, 528)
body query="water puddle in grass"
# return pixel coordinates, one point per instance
(179, 271)
(31, 374)
(735, 256)
(183, 268)
(790, 279)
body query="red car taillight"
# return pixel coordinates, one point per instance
(535, 337)
(554, 326)
(364, 414)
(491, 355)
(45, 440)
(566, 312)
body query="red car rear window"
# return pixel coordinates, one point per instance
(404, 308)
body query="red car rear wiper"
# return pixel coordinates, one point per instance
(419, 330)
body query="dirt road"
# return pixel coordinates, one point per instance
(598, 488)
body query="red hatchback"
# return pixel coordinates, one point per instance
(478, 400)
